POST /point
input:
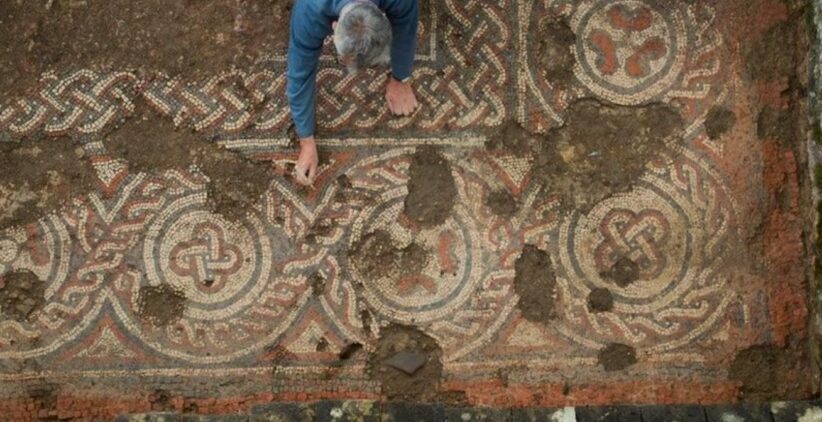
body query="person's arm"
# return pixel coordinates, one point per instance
(308, 30)
(404, 17)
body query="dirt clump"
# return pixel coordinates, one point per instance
(150, 143)
(41, 176)
(617, 356)
(555, 52)
(600, 150)
(536, 285)
(769, 373)
(160, 400)
(719, 121)
(322, 227)
(623, 272)
(501, 203)
(603, 149)
(147, 35)
(322, 345)
(514, 139)
(21, 294)
(375, 257)
(317, 282)
(349, 351)
(424, 384)
(431, 188)
(161, 305)
(600, 300)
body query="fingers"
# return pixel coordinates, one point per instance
(391, 105)
(312, 173)
(403, 108)
(305, 174)
(408, 108)
(301, 175)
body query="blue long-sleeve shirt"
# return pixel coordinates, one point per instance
(311, 24)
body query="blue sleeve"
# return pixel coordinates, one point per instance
(308, 30)
(404, 16)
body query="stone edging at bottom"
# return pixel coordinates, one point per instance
(332, 411)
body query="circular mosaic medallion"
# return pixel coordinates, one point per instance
(443, 279)
(221, 267)
(235, 302)
(441, 283)
(655, 249)
(629, 51)
(636, 245)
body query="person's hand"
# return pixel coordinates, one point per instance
(306, 169)
(401, 98)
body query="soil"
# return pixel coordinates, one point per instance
(719, 121)
(768, 373)
(600, 300)
(424, 384)
(431, 188)
(599, 151)
(349, 351)
(772, 56)
(616, 357)
(602, 149)
(501, 203)
(514, 139)
(347, 193)
(536, 285)
(322, 345)
(317, 283)
(160, 305)
(779, 55)
(376, 257)
(555, 52)
(151, 143)
(161, 401)
(150, 36)
(39, 177)
(21, 294)
(623, 272)
(780, 125)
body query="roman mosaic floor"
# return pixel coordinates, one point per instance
(680, 284)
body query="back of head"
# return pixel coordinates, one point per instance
(363, 35)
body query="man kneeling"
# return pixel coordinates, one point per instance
(367, 33)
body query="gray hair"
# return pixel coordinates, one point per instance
(363, 35)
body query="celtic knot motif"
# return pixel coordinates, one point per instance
(674, 229)
(637, 236)
(466, 90)
(80, 103)
(207, 258)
